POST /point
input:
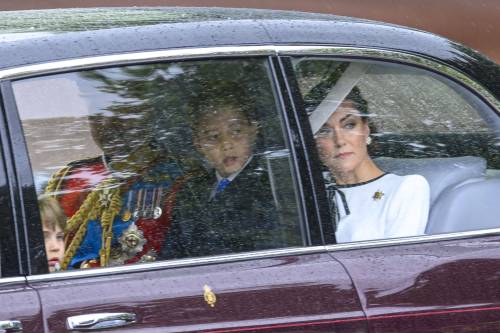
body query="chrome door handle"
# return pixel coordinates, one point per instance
(97, 321)
(11, 326)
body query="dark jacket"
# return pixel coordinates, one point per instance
(242, 218)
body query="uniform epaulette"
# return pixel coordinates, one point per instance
(84, 162)
(55, 182)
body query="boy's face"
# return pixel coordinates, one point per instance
(225, 137)
(54, 246)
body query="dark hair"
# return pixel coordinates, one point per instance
(359, 102)
(201, 107)
(361, 105)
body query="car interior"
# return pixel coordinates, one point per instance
(421, 124)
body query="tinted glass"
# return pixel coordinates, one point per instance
(403, 152)
(159, 161)
(9, 259)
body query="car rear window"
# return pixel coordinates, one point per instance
(418, 123)
(160, 161)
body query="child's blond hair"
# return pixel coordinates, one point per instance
(51, 213)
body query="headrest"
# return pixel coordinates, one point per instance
(471, 205)
(440, 172)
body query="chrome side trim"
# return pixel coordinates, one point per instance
(181, 263)
(413, 240)
(12, 280)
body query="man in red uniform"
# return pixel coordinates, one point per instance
(118, 204)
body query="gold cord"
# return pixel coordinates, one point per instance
(90, 209)
(54, 183)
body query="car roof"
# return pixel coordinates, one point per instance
(38, 36)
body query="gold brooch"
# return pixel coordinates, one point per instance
(209, 296)
(378, 195)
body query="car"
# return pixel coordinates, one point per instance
(104, 116)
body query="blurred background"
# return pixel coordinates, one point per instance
(475, 23)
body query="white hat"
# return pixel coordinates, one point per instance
(351, 76)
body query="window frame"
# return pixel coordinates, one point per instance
(297, 153)
(11, 208)
(285, 91)
(445, 72)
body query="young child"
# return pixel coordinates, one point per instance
(53, 224)
(225, 136)
(229, 208)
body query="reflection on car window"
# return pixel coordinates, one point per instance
(161, 161)
(403, 152)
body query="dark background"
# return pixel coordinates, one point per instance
(475, 23)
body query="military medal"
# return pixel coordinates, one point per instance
(137, 212)
(148, 202)
(157, 213)
(150, 256)
(132, 240)
(378, 195)
(127, 214)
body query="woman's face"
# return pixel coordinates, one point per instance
(342, 141)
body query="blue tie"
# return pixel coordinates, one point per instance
(222, 185)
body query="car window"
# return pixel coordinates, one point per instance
(159, 161)
(403, 151)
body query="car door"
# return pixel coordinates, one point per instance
(82, 122)
(20, 308)
(422, 122)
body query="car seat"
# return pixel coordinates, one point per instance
(441, 172)
(470, 205)
(461, 197)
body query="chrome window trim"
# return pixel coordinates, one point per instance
(259, 50)
(413, 240)
(134, 57)
(5, 282)
(176, 263)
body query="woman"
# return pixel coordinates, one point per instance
(368, 203)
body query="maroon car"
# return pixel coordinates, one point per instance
(122, 128)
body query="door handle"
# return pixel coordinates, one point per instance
(97, 321)
(11, 326)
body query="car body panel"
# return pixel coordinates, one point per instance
(446, 286)
(20, 303)
(261, 294)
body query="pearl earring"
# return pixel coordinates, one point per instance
(368, 140)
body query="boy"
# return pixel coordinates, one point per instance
(53, 224)
(229, 208)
